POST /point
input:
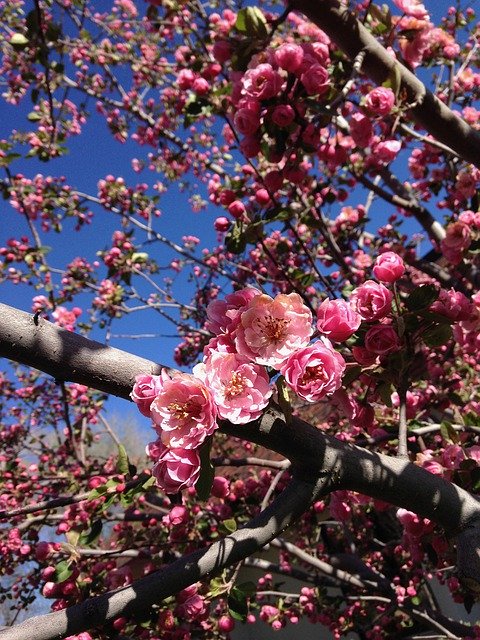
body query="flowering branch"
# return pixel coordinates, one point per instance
(142, 594)
(352, 37)
(313, 455)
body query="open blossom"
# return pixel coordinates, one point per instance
(262, 82)
(388, 267)
(372, 300)
(176, 469)
(241, 389)
(380, 101)
(454, 305)
(361, 130)
(247, 121)
(272, 329)
(337, 320)
(183, 411)
(224, 315)
(144, 391)
(315, 371)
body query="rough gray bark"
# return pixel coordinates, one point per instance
(352, 37)
(319, 463)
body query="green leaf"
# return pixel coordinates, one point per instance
(284, 399)
(238, 603)
(149, 483)
(235, 240)
(62, 571)
(438, 335)
(34, 116)
(122, 461)
(422, 297)
(18, 40)
(251, 22)
(139, 257)
(207, 472)
(448, 432)
(229, 525)
(384, 390)
(89, 537)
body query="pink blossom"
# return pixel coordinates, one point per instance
(372, 300)
(192, 608)
(453, 305)
(178, 515)
(247, 121)
(457, 239)
(183, 411)
(226, 624)
(413, 8)
(283, 115)
(271, 329)
(220, 487)
(176, 469)
(380, 101)
(337, 320)
(316, 80)
(221, 224)
(387, 150)
(224, 315)
(250, 146)
(315, 371)
(361, 130)
(241, 389)
(389, 267)
(289, 56)
(262, 82)
(144, 391)
(382, 339)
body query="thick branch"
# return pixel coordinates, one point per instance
(139, 597)
(68, 356)
(353, 38)
(313, 454)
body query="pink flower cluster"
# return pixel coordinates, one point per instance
(252, 331)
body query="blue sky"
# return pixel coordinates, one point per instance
(92, 156)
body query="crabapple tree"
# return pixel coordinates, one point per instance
(292, 190)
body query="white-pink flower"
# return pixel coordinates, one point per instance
(241, 389)
(315, 371)
(270, 330)
(183, 411)
(413, 8)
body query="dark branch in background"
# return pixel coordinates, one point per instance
(353, 38)
(139, 597)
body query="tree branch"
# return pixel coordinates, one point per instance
(142, 594)
(352, 38)
(313, 454)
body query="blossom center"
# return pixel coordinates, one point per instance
(274, 329)
(235, 387)
(181, 410)
(314, 373)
